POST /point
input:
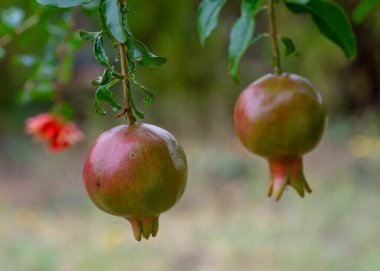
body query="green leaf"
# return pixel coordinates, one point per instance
(258, 38)
(111, 18)
(148, 97)
(141, 54)
(63, 3)
(137, 52)
(136, 112)
(131, 63)
(363, 8)
(100, 52)
(104, 79)
(103, 22)
(331, 21)
(89, 36)
(290, 48)
(103, 94)
(241, 35)
(117, 75)
(98, 109)
(124, 18)
(208, 17)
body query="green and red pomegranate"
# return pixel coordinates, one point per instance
(281, 118)
(137, 172)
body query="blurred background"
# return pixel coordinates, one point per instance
(224, 221)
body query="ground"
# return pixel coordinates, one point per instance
(224, 221)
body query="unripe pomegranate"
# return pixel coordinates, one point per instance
(137, 172)
(281, 117)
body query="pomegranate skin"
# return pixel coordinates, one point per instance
(281, 117)
(137, 172)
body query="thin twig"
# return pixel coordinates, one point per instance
(126, 91)
(273, 34)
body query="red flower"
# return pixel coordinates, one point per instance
(53, 130)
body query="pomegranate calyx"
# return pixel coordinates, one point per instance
(284, 172)
(145, 226)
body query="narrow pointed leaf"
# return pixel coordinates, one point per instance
(142, 55)
(148, 96)
(290, 48)
(331, 21)
(100, 52)
(258, 38)
(208, 17)
(98, 109)
(89, 36)
(241, 35)
(104, 79)
(136, 112)
(138, 51)
(112, 20)
(124, 19)
(103, 94)
(364, 8)
(117, 75)
(63, 3)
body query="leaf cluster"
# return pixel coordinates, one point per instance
(113, 19)
(54, 67)
(329, 18)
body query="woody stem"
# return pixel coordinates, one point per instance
(126, 89)
(273, 35)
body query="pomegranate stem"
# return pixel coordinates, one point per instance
(126, 89)
(273, 34)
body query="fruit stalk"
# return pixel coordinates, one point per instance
(126, 89)
(273, 34)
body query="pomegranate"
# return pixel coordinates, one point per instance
(137, 172)
(281, 117)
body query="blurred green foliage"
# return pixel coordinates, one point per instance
(196, 79)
